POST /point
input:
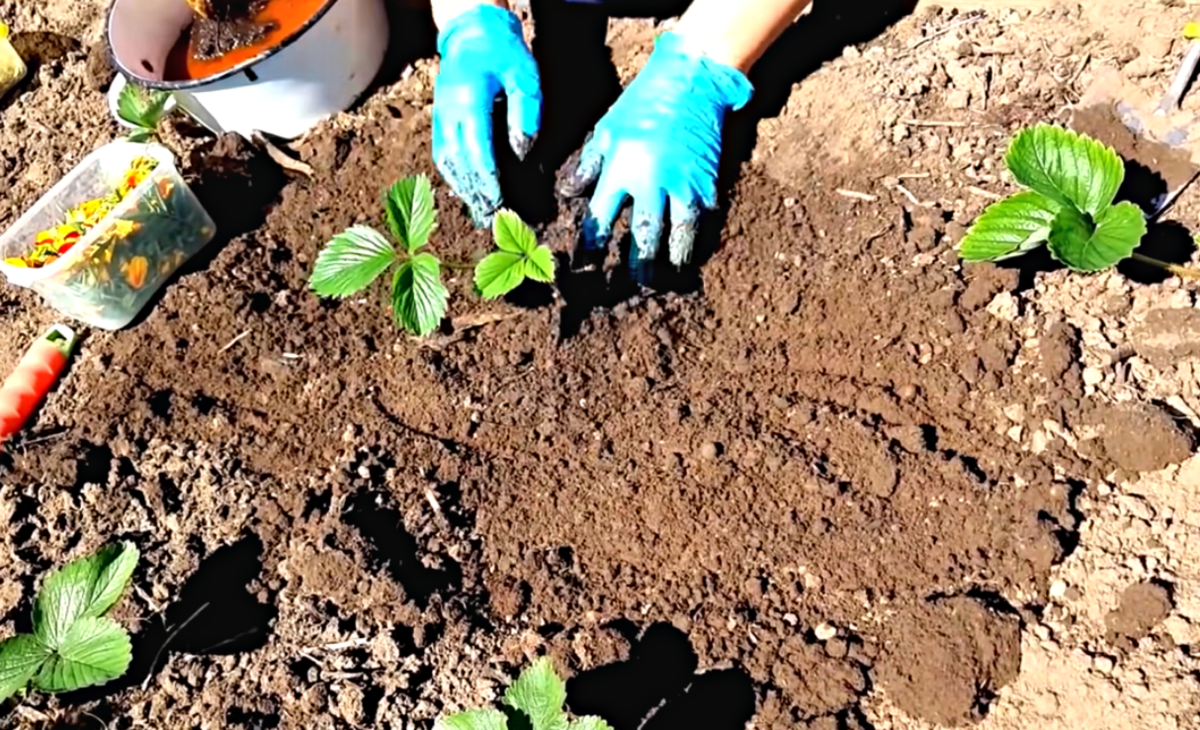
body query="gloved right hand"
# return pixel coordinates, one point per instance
(483, 53)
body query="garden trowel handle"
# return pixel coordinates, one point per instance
(1187, 70)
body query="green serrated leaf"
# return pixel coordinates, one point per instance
(590, 723)
(1066, 167)
(410, 213)
(473, 720)
(94, 651)
(1087, 246)
(85, 588)
(20, 658)
(140, 136)
(541, 694)
(499, 273)
(351, 261)
(418, 295)
(540, 265)
(1009, 228)
(142, 107)
(512, 234)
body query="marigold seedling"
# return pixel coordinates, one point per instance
(539, 696)
(1072, 181)
(74, 644)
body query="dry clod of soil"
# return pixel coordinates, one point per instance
(1144, 438)
(1143, 607)
(1167, 336)
(945, 661)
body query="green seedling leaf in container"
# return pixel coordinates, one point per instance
(86, 588)
(541, 694)
(142, 107)
(94, 651)
(20, 659)
(1009, 228)
(351, 261)
(418, 295)
(410, 213)
(1066, 167)
(473, 720)
(1087, 245)
(519, 257)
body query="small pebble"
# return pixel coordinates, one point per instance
(1103, 664)
(709, 450)
(825, 632)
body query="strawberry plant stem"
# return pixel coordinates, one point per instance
(1180, 271)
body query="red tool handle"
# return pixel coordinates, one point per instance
(34, 376)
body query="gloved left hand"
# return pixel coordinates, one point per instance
(483, 53)
(660, 144)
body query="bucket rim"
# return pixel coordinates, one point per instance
(164, 85)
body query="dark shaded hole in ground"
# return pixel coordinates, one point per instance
(93, 464)
(1170, 242)
(658, 688)
(393, 549)
(238, 717)
(214, 614)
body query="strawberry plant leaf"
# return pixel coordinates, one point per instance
(418, 295)
(1086, 245)
(1066, 167)
(1009, 228)
(473, 720)
(499, 273)
(142, 107)
(512, 234)
(410, 213)
(140, 135)
(20, 658)
(541, 694)
(590, 723)
(351, 261)
(94, 651)
(85, 588)
(540, 265)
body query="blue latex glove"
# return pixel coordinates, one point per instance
(483, 54)
(660, 142)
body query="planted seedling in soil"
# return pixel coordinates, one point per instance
(359, 255)
(144, 109)
(1072, 181)
(74, 644)
(538, 698)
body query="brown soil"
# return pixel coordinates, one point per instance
(1143, 607)
(816, 468)
(946, 660)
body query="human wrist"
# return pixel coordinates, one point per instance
(723, 82)
(446, 11)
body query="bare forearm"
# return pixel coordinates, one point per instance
(446, 10)
(738, 32)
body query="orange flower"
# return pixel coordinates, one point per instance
(135, 271)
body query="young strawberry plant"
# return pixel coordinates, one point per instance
(1072, 181)
(74, 644)
(144, 109)
(359, 255)
(538, 698)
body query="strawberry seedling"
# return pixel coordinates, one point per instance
(538, 698)
(74, 644)
(1068, 206)
(144, 109)
(359, 255)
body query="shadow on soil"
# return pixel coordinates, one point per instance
(213, 614)
(393, 549)
(658, 688)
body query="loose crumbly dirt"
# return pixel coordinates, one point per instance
(829, 479)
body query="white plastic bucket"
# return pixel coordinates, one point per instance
(284, 91)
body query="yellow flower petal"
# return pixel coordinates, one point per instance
(1191, 31)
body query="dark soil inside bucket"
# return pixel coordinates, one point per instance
(761, 491)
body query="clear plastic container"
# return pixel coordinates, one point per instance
(110, 274)
(12, 68)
